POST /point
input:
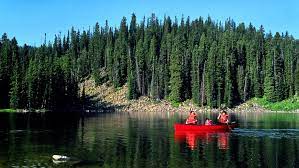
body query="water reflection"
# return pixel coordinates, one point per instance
(147, 140)
(204, 138)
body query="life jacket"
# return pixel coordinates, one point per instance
(191, 118)
(191, 121)
(223, 118)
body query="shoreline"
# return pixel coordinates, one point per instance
(23, 111)
(105, 98)
(116, 97)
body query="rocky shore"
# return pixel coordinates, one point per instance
(106, 94)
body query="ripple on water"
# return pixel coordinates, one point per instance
(271, 133)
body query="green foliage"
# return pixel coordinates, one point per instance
(195, 75)
(15, 88)
(100, 76)
(5, 70)
(199, 60)
(285, 105)
(140, 67)
(269, 79)
(176, 69)
(163, 65)
(132, 63)
(297, 78)
(174, 103)
(211, 76)
(8, 110)
(154, 87)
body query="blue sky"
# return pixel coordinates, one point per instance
(28, 20)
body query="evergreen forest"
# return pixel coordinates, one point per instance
(206, 61)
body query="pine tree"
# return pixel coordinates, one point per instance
(198, 61)
(132, 74)
(186, 59)
(116, 64)
(258, 83)
(166, 62)
(195, 75)
(269, 84)
(109, 54)
(97, 58)
(140, 61)
(219, 76)
(66, 43)
(211, 74)
(176, 68)
(278, 69)
(229, 87)
(289, 55)
(83, 66)
(15, 79)
(147, 62)
(154, 90)
(5, 71)
(31, 78)
(123, 50)
(163, 65)
(297, 78)
(121, 55)
(25, 53)
(74, 44)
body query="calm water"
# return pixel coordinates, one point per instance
(146, 140)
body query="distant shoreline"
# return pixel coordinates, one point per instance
(145, 105)
(23, 110)
(112, 97)
(105, 98)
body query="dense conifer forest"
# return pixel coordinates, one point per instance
(210, 62)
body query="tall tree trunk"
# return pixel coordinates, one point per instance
(245, 88)
(138, 75)
(202, 87)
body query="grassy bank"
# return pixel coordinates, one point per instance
(8, 110)
(285, 105)
(22, 110)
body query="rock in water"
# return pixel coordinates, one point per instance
(60, 158)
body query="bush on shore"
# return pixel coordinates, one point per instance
(285, 105)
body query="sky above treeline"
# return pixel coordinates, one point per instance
(29, 20)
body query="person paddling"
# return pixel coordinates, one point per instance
(192, 118)
(223, 117)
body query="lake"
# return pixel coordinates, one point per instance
(136, 140)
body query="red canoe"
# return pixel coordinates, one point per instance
(204, 128)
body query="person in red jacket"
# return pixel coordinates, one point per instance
(223, 117)
(192, 118)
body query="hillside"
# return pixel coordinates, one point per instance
(112, 98)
